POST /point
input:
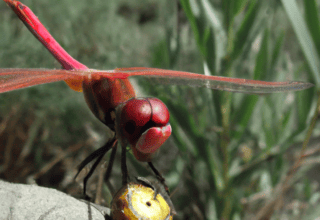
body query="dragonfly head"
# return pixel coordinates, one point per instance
(144, 124)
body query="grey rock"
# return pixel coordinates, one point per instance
(20, 201)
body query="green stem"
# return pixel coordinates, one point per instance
(281, 189)
(225, 135)
(224, 143)
(297, 163)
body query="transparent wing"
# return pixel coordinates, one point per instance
(213, 82)
(11, 79)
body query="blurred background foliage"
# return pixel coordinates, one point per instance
(231, 155)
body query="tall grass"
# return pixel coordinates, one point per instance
(237, 164)
(231, 154)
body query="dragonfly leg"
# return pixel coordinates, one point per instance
(159, 177)
(158, 188)
(124, 169)
(96, 154)
(111, 161)
(85, 180)
(146, 182)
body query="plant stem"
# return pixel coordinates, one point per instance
(224, 143)
(282, 187)
(297, 163)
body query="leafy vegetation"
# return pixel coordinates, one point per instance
(232, 156)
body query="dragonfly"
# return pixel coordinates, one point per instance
(141, 123)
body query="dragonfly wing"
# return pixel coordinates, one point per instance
(11, 79)
(213, 82)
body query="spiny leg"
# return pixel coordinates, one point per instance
(105, 172)
(158, 188)
(85, 180)
(94, 155)
(104, 175)
(159, 177)
(124, 166)
(152, 185)
(111, 161)
(98, 153)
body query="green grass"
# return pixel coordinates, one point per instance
(227, 149)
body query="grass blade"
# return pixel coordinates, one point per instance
(312, 20)
(303, 35)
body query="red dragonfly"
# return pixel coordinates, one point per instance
(142, 123)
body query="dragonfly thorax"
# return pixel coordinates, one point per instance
(103, 95)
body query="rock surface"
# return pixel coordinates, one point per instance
(20, 201)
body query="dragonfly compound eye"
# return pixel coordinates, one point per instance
(160, 113)
(134, 116)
